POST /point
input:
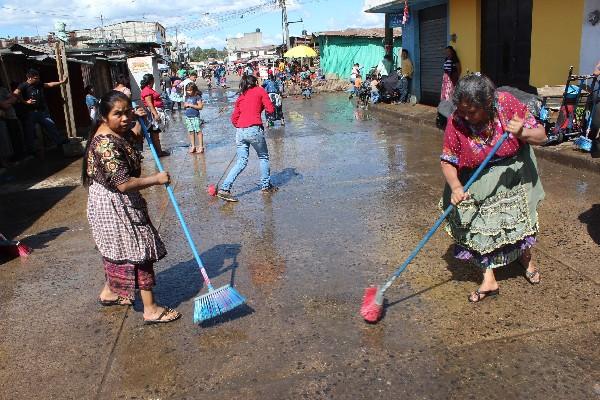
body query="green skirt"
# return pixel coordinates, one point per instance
(500, 220)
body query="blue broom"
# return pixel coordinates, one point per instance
(217, 301)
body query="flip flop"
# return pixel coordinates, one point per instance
(161, 320)
(119, 301)
(485, 293)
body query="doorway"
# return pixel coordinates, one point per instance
(506, 42)
(433, 34)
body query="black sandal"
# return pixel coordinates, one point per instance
(160, 319)
(485, 293)
(119, 301)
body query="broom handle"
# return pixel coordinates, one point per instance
(444, 215)
(176, 207)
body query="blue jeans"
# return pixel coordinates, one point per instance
(44, 119)
(244, 137)
(374, 96)
(404, 89)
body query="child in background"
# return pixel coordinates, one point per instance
(91, 101)
(357, 84)
(306, 86)
(374, 90)
(193, 104)
(176, 95)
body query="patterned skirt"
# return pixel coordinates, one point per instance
(125, 279)
(447, 87)
(121, 227)
(500, 221)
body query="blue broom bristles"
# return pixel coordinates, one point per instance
(216, 302)
(583, 144)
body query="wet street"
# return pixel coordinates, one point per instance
(358, 190)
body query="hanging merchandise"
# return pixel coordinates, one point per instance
(405, 16)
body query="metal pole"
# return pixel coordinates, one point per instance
(286, 32)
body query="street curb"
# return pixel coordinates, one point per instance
(558, 154)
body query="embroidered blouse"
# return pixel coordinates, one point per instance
(465, 147)
(112, 160)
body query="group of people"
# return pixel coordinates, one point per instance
(494, 223)
(385, 83)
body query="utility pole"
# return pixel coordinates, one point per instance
(284, 22)
(102, 26)
(177, 44)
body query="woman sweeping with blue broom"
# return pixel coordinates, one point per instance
(117, 212)
(495, 223)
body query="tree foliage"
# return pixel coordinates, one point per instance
(199, 54)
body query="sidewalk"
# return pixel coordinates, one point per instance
(563, 153)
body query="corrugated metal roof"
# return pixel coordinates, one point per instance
(360, 32)
(31, 49)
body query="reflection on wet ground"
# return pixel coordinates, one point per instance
(357, 192)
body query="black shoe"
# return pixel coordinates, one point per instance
(226, 195)
(269, 189)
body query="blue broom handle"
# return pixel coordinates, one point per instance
(445, 214)
(176, 206)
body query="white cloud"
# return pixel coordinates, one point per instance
(22, 15)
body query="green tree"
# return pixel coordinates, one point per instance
(200, 54)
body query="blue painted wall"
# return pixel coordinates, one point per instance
(410, 40)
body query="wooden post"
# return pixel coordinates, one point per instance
(4, 73)
(63, 72)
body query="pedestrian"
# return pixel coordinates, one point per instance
(11, 123)
(374, 89)
(247, 119)
(31, 94)
(273, 89)
(118, 214)
(386, 65)
(192, 77)
(496, 222)
(406, 78)
(306, 87)
(154, 104)
(122, 85)
(193, 104)
(176, 95)
(91, 102)
(452, 71)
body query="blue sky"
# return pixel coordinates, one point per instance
(28, 17)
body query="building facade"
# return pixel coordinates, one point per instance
(521, 43)
(235, 46)
(127, 31)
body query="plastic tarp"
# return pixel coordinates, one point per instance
(338, 54)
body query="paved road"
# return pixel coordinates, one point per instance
(357, 194)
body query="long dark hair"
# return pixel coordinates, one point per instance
(248, 82)
(453, 56)
(107, 103)
(147, 79)
(477, 90)
(123, 80)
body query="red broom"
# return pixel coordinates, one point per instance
(213, 188)
(372, 305)
(13, 248)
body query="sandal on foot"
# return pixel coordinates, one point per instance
(531, 275)
(119, 301)
(192, 150)
(485, 294)
(162, 318)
